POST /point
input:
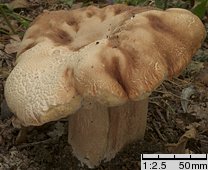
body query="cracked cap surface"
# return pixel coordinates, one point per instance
(111, 55)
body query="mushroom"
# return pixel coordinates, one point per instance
(99, 71)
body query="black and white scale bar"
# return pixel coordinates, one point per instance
(175, 158)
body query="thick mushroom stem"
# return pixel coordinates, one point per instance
(127, 124)
(97, 132)
(88, 133)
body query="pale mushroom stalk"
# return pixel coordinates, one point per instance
(97, 132)
(98, 67)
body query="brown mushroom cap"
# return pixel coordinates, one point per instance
(112, 59)
(140, 54)
(77, 28)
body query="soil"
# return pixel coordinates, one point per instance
(177, 117)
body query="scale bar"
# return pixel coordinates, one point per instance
(174, 158)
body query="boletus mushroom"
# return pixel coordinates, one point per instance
(98, 67)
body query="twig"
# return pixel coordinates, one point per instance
(168, 106)
(155, 97)
(23, 17)
(158, 132)
(2, 31)
(44, 142)
(172, 94)
(152, 102)
(161, 116)
(178, 79)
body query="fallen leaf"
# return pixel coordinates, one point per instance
(77, 5)
(202, 76)
(22, 136)
(193, 68)
(4, 72)
(187, 151)
(13, 46)
(193, 125)
(199, 110)
(15, 38)
(58, 130)
(18, 4)
(180, 147)
(1, 46)
(185, 96)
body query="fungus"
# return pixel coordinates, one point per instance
(106, 105)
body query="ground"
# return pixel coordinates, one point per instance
(177, 118)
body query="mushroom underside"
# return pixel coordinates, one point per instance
(97, 132)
